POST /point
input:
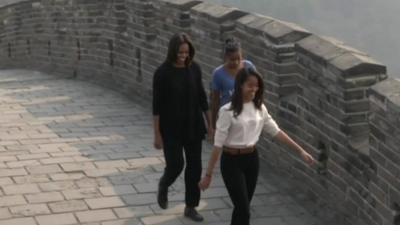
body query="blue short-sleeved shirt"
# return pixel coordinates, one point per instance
(224, 83)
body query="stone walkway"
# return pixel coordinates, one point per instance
(75, 153)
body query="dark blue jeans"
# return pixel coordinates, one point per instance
(240, 173)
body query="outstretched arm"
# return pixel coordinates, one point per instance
(272, 128)
(282, 137)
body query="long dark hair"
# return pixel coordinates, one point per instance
(173, 48)
(237, 97)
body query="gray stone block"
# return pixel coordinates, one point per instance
(179, 4)
(274, 30)
(284, 32)
(388, 89)
(320, 49)
(353, 64)
(11, 2)
(217, 13)
(356, 106)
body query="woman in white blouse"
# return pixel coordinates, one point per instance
(238, 129)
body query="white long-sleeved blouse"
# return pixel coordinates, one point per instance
(245, 129)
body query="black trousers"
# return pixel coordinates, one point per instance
(174, 151)
(240, 173)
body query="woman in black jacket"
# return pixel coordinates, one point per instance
(179, 107)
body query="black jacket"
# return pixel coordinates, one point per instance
(179, 99)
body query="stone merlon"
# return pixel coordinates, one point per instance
(181, 4)
(217, 13)
(387, 91)
(350, 62)
(279, 32)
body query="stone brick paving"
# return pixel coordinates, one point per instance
(75, 153)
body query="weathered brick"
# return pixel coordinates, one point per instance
(117, 190)
(81, 193)
(12, 200)
(12, 172)
(68, 206)
(18, 221)
(56, 219)
(132, 212)
(76, 167)
(106, 202)
(44, 197)
(4, 213)
(95, 215)
(57, 186)
(44, 169)
(30, 210)
(21, 189)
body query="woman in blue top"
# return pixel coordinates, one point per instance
(223, 78)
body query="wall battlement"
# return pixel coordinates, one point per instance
(335, 100)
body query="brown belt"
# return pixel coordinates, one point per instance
(239, 151)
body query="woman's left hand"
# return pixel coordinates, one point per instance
(204, 183)
(307, 158)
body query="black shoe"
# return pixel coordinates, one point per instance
(192, 214)
(162, 196)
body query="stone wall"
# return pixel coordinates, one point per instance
(318, 89)
(384, 184)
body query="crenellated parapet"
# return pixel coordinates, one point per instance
(334, 100)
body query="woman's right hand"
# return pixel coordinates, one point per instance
(158, 141)
(204, 183)
(307, 158)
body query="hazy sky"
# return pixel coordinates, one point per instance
(372, 26)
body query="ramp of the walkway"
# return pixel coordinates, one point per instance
(75, 153)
